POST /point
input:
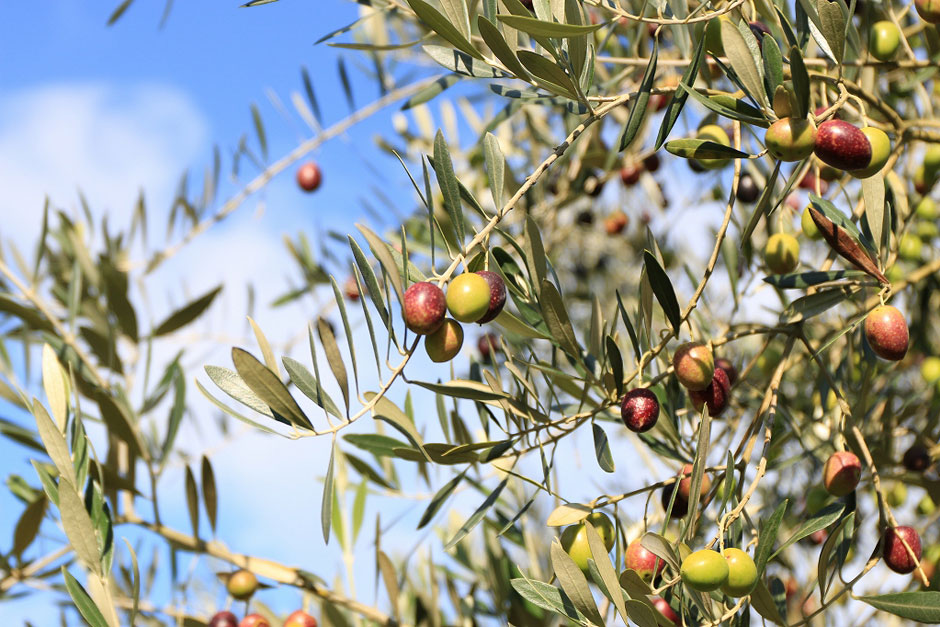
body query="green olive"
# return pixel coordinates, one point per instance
(910, 247)
(782, 253)
(715, 133)
(742, 573)
(704, 570)
(468, 297)
(574, 538)
(810, 230)
(885, 40)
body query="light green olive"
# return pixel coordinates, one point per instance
(704, 570)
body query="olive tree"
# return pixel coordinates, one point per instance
(701, 240)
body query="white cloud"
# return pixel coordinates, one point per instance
(106, 140)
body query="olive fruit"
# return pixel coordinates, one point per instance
(666, 610)
(782, 253)
(929, 10)
(574, 538)
(926, 506)
(685, 484)
(694, 365)
(810, 230)
(886, 332)
(643, 561)
(927, 209)
(713, 132)
(916, 458)
(791, 139)
(242, 584)
(351, 289)
(895, 554)
(630, 174)
(497, 295)
(880, 151)
(309, 176)
(742, 573)
(910, 247)
(885, 40)
(747, 189)
(651, 162)
(930, 369)
(254, 620)
(616, 222)
(300, 618)
(223, 619)
(842, 145)
(729, 369)
(716, 396)
(444, 344)
(468, 297)
(704, 570)
(487, 344)
(841, 473)
(639, 410)
(897, 494)
(424, 308)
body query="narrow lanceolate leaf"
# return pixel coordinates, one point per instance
(742, 61)
(547, 597)
(186, 314)
(608, 575)
(269, 388)
(574, 583)
(663, 290)
(210, 497)
(432, 91)
(439, 499)
(703, 149)
(477, 516)
(334, 358)
(385, 409)
(56, 384)
(383, 254)
(548, 74)
(763, 603)
(809, 279)
(567, 514)
(495, 168)
(602, 449)
(677, 102)
(27, 527)
(462, 63)
(806, 307)
(444, 168)
(800, 82)
(768, 535)
(192, 501)
(536, 262)
(821, 520)
(78, 526)
(660, 547)
(832, 25)
(135, 590)
(309, 385)
(456, 12)
(556, 318)
(773, 65)
(500, 49)
(641, 101)
(53, 440)
(390, 577)
(326, 502)
(86, 606)
(921, 606)
(176, 411)
(535, 26)
(442, 26)
(847, 247)
(873, 191)
(266, 351)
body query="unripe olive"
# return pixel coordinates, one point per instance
(930, 369)
(574, 538)
(444, 344)
(242, 584)
(929, 10)
(782, 253)
(896, 494)
(300, 618)
(791, 139)
(468, 297)
(880, 151)
(704, 570)
(715, 133)
(424, 308)
(885, 40)
(927, 209)
(810, 230)
(742, 573)
(910, 247)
